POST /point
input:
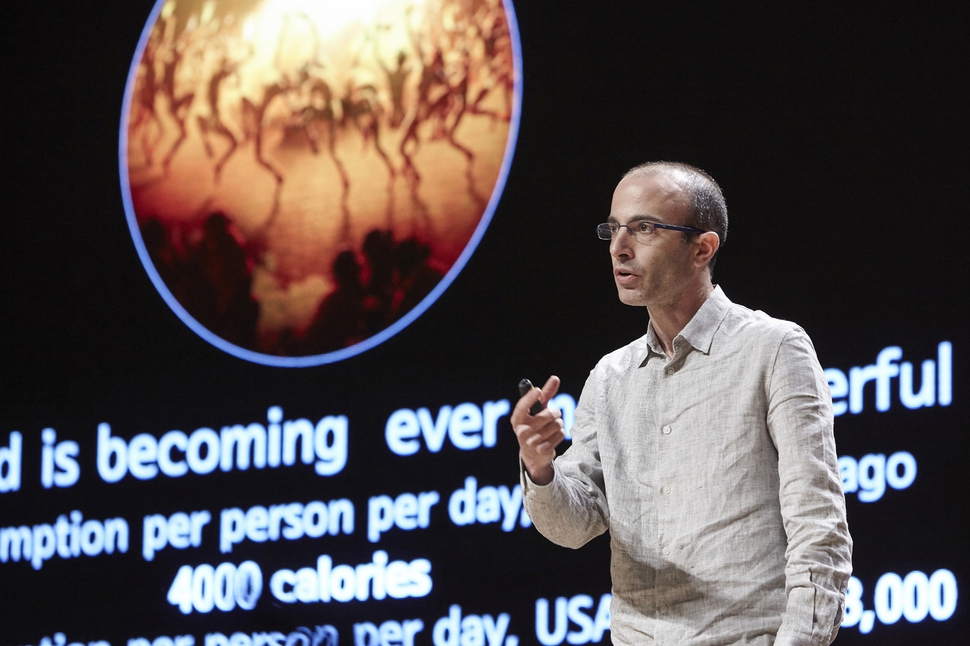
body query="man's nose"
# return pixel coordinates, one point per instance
(620, 243)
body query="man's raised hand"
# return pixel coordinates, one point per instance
(538, 434)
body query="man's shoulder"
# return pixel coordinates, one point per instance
(740, 321)
(721, 322)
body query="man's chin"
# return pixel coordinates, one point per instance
(630, 297)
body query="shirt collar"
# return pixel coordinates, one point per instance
(699, 332)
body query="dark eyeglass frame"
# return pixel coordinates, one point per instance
(607, 230)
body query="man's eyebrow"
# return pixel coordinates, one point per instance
(637, 218)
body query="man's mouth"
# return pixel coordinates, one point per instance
(623, 275)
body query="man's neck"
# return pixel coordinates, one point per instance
(669, 319)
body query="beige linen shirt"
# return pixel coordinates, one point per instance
(715, 473)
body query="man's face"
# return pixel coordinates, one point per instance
(655, 270)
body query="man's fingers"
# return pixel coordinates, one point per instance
(543, 423)
(538, 434)
(545, 434)
(531, 438)
(550, 389)
(528, 400)
(547, 445)
(543, 449)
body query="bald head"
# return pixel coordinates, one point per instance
(707, 209)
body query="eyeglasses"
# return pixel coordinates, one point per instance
(640, 230)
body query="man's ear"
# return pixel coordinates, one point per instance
(706, 245)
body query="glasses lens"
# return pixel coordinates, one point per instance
(641, 230)
(605, 231)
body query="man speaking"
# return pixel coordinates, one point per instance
(705, 447)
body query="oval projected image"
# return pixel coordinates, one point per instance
(303, 178)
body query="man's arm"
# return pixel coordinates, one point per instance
(812, 503)
(564, 496)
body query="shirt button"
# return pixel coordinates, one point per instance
(666, 551)
(663, 609)
(666, 489)
(667, 429)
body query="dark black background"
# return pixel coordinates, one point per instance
(838, 133)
